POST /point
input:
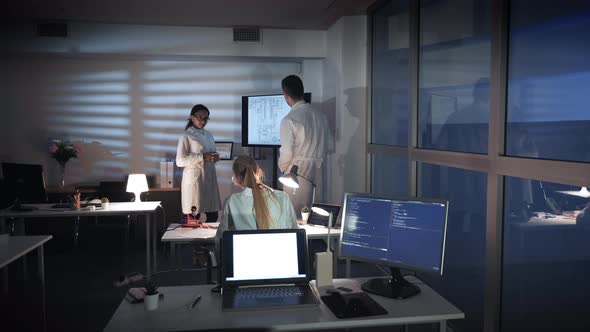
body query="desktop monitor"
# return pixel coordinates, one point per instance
(261, 119)
(24, 183)
(397, 232)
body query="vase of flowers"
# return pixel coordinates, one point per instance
(62, 151)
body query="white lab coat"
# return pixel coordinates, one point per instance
(305, 140)
(238, 212)
(199, 180)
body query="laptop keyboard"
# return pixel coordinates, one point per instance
(268, 292)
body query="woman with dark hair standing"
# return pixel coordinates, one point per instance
(196, 154)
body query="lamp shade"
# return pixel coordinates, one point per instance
(320, 211)
(290, 180)
(137, 183)
(584, 193)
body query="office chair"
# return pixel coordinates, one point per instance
(116, 191)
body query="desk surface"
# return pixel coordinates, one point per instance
(174, 312)
(94, 189)
(541, 219)
(320, 232)
(14, 247)
(184, 234)
(45, 210)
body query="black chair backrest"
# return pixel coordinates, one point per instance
(115, 191)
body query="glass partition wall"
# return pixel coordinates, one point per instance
(483, 103)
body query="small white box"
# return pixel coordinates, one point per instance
(323, 271)
(166, 174)
(170, 173)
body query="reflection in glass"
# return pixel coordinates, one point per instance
(454, 75)
(546, 257)
(549, 78)
(463, 280)
(389, 176)
(390, 74)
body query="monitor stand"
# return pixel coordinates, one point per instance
(395, 287)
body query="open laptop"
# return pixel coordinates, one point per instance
(317, 219)
(265, 269)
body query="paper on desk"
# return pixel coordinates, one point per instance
(172, 226)
(200, 233)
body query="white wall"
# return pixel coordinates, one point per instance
(345, 103)
(123, 92)
(127, 39)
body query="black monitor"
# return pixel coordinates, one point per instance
(261, 119)
(406, 233)
(24, 183)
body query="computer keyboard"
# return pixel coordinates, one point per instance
(268, 292)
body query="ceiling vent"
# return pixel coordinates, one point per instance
(52, 29)
(247, 35)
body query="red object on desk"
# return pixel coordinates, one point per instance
(191, 222)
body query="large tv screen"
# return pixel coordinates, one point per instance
(261, 119)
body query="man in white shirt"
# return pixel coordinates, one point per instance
(305, 141)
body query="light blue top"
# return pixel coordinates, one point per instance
(238, 213)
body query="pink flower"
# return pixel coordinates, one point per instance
(62, 151)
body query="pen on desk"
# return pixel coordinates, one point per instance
(196, 301)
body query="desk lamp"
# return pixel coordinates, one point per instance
(137, 183)
(584, 193)
(290, 180)
(324, 260)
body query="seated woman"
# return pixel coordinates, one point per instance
(257, 206)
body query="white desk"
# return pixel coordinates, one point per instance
(189, 234)
(14, 247)
(116, 208)
(174, 312)
(183, 235)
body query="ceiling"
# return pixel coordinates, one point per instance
(293, 14)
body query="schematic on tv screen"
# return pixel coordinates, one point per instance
(261, 119)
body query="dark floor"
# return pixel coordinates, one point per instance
(80, 295)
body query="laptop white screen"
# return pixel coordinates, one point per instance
(263, 256)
